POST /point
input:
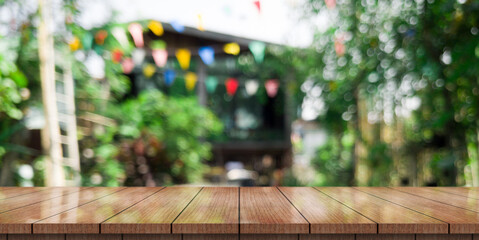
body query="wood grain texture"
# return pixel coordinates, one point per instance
(268, 236)
(36, 237)
(470, 192)
(93, 236)
(210, 236)
(87, 218)
(326, 215)
(20, 220)
(443, 197)
(266, 210)
(460, 220)
(444, 237)
(153, 215)
(8, 192)
(391, 218)
(35, 197)
(385, 237)
(151, 237)
(213, 211)
(326, 236)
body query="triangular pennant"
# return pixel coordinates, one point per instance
(232, 48)
(74, 44)
(120, 36)
(177, 26)
(127, 65)
(116, 55)
(211, 84)
(257, 3)
(251, 87)
(184, 56)
(136, 31)
(190, 80)
(149, 70)
(169, 77)
(160, 56)
(207, 54)
(272, 86)
(257, 48)
(87, 41)
(156, 28)
(100, 37)
(138, 56)
(158, 44)
(201, 27)
(231, 85)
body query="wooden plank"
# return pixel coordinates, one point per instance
(460, 220)
(3, 236)
(167, 205)
(20, 220)
(470, 192)
(36, 237)
(385, 237)
(326, 236)
(443, 237)
(93, 236)
(214, 210)
(391, 218)
(87, 218)
(443, 197)
(266, 210)
(210, 236)
(325, 214)
(35, 197)
(268, 236)
(151, 237)
(8, 192)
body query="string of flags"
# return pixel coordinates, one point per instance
(128, 56)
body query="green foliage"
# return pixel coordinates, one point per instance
(158, 137)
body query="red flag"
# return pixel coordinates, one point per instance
(258, 5)
(231, 86)
(272, 86)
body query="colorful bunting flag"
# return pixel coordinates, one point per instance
(251, 87)
(184, 56)
(177, 26)
(148, 70)
(158, 44)
(271, 86)
(232, 48)
(201, 27)
(138, 56)
(120, 35)
(87, 41)
(211, 84)
(169, 77)
(156, 28)
(160, 56)
(207, 54)
(190, 80)
(74, 44)
(100, 37)
(330, 3)
(257, 48)
(231, 85)
(257, 3)
(116, 55)
(127, 65)
(136, 32)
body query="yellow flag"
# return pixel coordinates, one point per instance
(190, 81)
(149, 70)
(74, 44)
(201, 27)
(232, 48)
(156, 28)
(183, 55)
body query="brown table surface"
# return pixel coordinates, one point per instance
(234, 210)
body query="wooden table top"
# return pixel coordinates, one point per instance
(245, 210)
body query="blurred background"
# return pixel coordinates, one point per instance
(239, 92)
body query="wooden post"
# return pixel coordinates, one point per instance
(51, 144)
